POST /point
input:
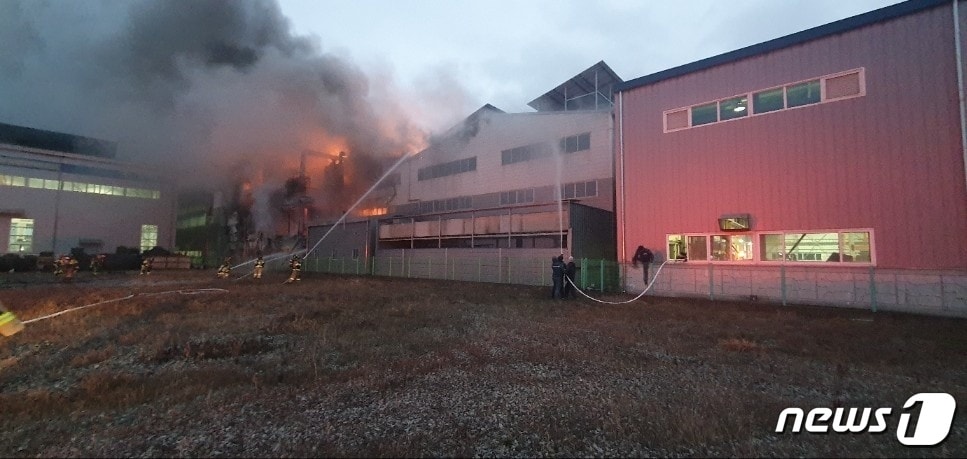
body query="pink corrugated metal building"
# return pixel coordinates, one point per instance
(827, 166)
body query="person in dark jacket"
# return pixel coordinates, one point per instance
(557, 275)
(645, 257)
(570, 270)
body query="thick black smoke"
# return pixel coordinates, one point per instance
(209, 92)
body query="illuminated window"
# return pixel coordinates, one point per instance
(676, 247)
(149, 237)
(732, 247)
(826, 247)
(373, 211)
(12, 180)
(735, 107)
(21, 235)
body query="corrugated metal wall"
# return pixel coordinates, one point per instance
(890, 160)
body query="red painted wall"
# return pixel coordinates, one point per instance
(890, 160)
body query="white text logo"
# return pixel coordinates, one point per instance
(932, 425)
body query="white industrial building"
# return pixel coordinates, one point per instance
(61, 191)
(501, 187)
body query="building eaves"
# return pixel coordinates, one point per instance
(833, 28)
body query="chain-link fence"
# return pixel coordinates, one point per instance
(920, 291)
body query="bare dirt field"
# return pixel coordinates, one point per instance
(362, 366)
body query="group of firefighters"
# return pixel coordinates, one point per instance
(295, 264)
(67, 266)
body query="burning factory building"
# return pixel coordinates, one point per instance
(260, 132)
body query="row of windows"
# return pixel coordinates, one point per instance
(445, 205)
(828, 88)
(569, 144)
(517, 197)
(849, 246)
(79, 187)
(445, 169)
(579, 190)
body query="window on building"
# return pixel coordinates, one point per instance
(770, 247)
(840, 247)
(705, 114)
(676, 247)
(736, 107)
(802, 94)
(517, 197)
(450, 168)
(578, 190)
(676, 119)
(525, 153)
(769, 100)
(576, 143)
(21, 235)
(149, 237)
(732, 247)
(697, 247)
(849, 84)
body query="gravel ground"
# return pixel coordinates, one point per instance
(345, 366)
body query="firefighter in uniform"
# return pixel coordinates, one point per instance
(296, 264)
(97, 263)
(225, 269)
(69, 267)
(146, 266)
(59, 265)
(259, 266)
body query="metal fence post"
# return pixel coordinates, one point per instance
(782, 283)
(479, 269)
(711, 283)
(872, 289)
(543, 272)
(601, 286)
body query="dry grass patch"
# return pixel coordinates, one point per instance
(343, 366)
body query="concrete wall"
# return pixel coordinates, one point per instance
(918, 291)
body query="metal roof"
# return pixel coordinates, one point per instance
(833, 28)
(589, 90)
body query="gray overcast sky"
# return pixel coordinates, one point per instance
(508, 52)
